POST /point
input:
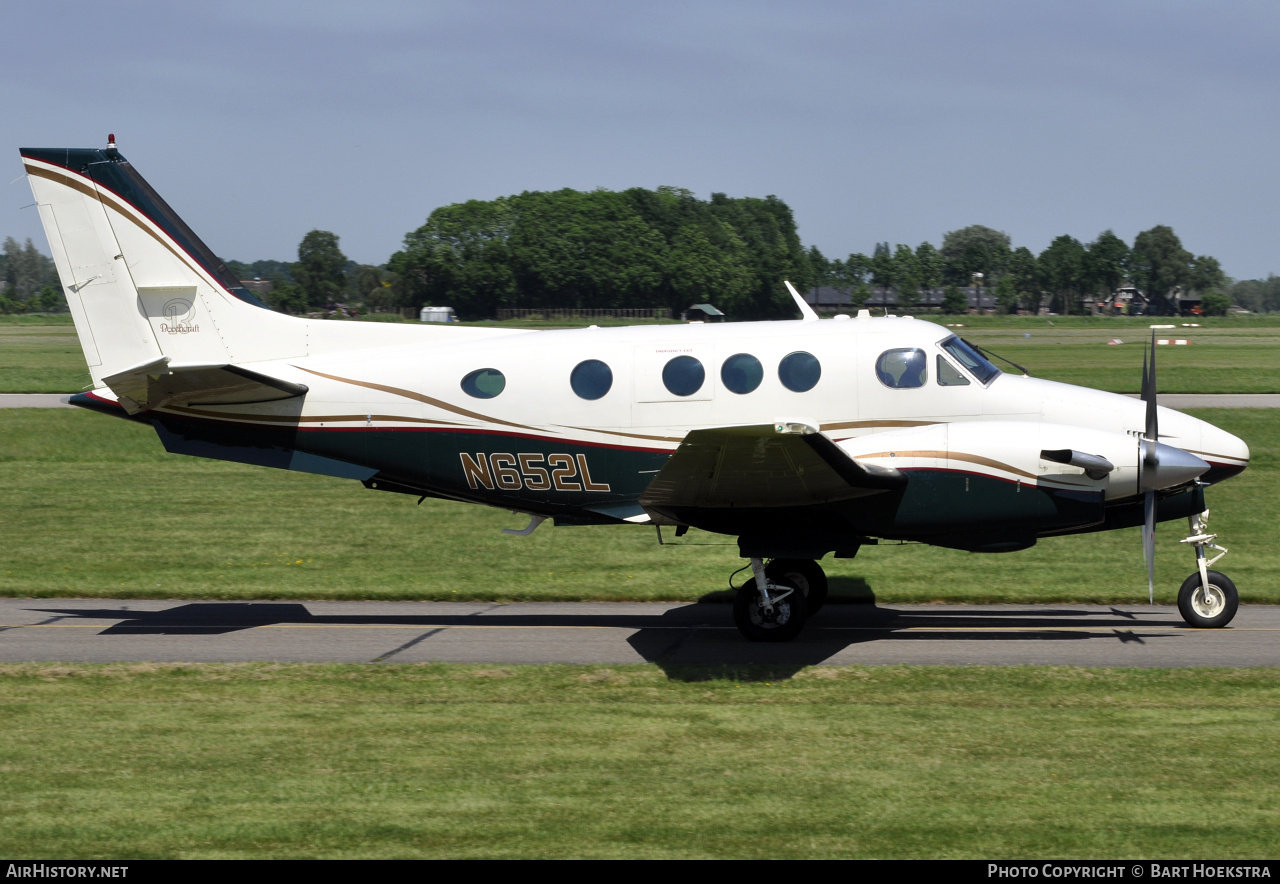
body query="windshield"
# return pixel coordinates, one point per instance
(970, 358)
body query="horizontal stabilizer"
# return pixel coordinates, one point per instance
(158, 383)
(771, 465)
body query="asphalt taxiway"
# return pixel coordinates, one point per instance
(110, 630)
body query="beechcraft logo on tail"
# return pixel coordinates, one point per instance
(178, 314)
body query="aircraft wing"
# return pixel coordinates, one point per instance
(157, 383)
(770, 465)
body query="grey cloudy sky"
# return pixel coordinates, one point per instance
(897, 121)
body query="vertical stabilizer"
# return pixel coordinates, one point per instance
(140, 284)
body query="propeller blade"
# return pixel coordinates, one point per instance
(1149, 544)
(1149, 395)
(1149, 462)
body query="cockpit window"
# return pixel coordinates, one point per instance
(949, 375)
(903, 368)
(970, 358)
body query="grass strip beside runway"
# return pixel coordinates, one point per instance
(93, 507)
(628, 761)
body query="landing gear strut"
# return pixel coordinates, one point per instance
(769, 609)
(1207, 599)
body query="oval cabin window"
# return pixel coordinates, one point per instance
(484, 383)
(902, 369)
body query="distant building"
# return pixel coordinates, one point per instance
(886, 298)
(437, 314)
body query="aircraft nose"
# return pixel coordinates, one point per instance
(1227, 455)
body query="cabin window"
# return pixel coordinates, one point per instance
(741, 373)
(799, 371)
(591, 379)
(683, 375)
(484, 383)
(902, 368)
(949, 375)
(964, 353)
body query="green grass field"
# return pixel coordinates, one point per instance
(93, 507)
(435, 761)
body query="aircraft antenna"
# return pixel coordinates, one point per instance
(806, 312)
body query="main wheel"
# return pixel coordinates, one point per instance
(806, 575)
(782, 624)
(1211, 610)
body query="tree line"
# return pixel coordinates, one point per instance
(1067, 277)
(28, 280)
(642, 248)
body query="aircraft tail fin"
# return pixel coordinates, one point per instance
(140, 284)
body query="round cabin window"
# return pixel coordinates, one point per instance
(591, 379)
(683, 375)
(799, 371)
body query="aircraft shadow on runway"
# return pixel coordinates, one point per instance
(693, 642)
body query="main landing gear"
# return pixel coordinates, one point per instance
(1207, 599)
(774, 606)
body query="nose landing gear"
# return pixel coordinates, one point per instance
(1207, 599)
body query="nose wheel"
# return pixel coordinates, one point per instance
(1208, 604)
(1207, 599)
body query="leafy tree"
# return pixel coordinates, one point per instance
(1062, 270)
(288, 297)
(275, 272)
(25, 272)
(906, 277)
(1257, 295)
(850, 277)
(1006, 293)
(1024, 271)
(1159, 264)
(1205, 274)
(1106, 264)
(606, 249)
(1215, 304)
(932, 266)
(321, 268)
(700, 271)
(51, 299)
(954, 301)
(824, 273)
(882, 265)
(975, 249)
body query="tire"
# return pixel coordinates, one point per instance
(788, 618)
(807, 575)
(1221, 606)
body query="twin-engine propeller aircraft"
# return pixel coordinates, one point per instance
(800, 438)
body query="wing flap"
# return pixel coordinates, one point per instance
(155, 384)
(769, 465)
